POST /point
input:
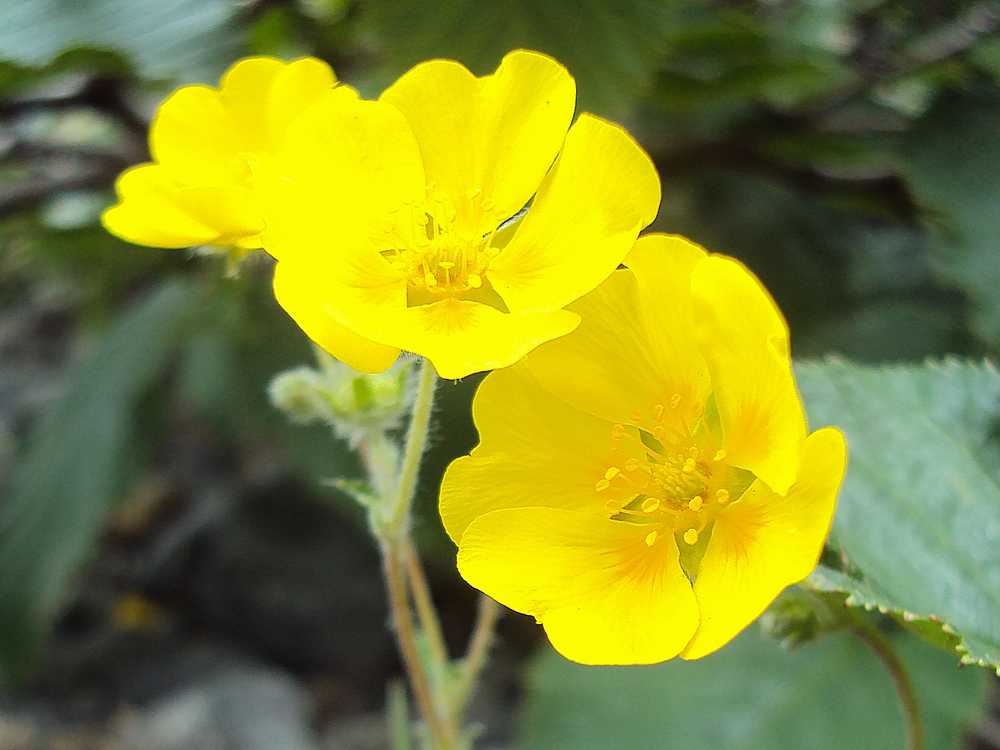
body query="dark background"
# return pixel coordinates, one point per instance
(188, 579)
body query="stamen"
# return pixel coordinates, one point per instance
(720, 455)
(695, 503)
(675, 400)
(650, 504)
(722, 496)
(651, 538)
(612, 472)
(688, 466)
(658, 412)
(602, 485)
(691, 537)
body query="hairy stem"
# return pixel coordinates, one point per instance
(479, 649)
(429, 622)
(880, 646)
(393, 530)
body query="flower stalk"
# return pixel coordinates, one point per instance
(912, 724)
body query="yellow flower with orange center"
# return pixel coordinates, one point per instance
(645, 486)
(399, 224)
(199, 187)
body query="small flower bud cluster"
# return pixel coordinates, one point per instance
(353, 403)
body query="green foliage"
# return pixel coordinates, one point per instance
(952, 161)
(919, 514)
(611, 49)
(74, 467)
(169, 39)
(825, 696)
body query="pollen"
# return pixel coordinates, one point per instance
(423, 243)
(651, 538)
(695, 503)
(691, 537)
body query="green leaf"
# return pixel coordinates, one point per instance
(73, 469)
(611, 49)
(753, 694)
(952, 163)
(919, 514)
(169, 39)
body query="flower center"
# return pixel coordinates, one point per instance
(439, 247)
(682, 480)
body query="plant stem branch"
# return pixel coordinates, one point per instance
(880, 646)
(393, 530)
(406, 639)
(397, 524)
(429, 622)
(479, 649)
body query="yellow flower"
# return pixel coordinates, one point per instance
(644, 486)
(391, 220)
(198, 188)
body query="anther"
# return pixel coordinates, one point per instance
(631, 465)
(618, 431)
(602, 485)
(719, 455)
(475, 280)
(675, 400)
(651, 538)
(612, 472)
(658, 412)
(722, 496)
(695, 503)
(691, 536)
(650, 504)
(688, 466)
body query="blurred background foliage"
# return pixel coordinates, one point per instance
(168, 542)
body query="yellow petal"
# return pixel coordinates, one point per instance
(765, 542)
(195, 137)
(349, 169)
(588, 212)
(461, 337)
(525, 110)
(744, 339)
(534, 450)
(244, 91)
(602, 595)
(322, 326)
(487, 139)
(154, 210)
(298, 86)
(635, 348)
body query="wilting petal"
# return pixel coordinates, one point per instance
(602, 594)
(765, 542)
(744, 339)
(602, 190)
